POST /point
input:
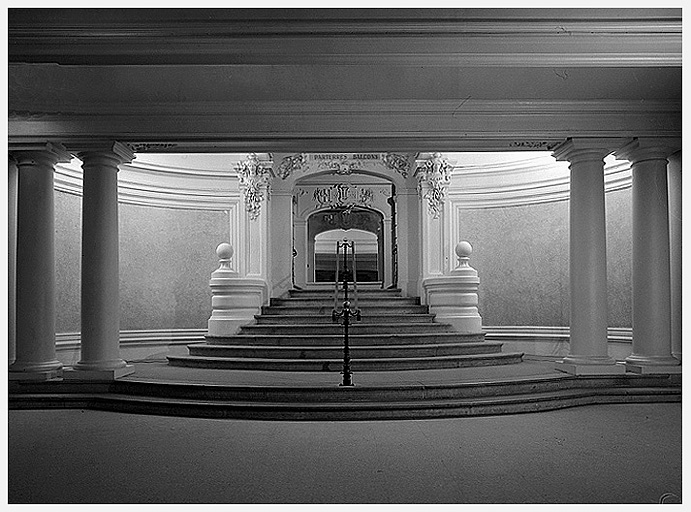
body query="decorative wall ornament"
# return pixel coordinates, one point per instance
(343, 195)
(139, 147)
(290, 164)
(434, 177)
(346, 218)
(340, 168)
(254, 182)
(398, 163)
(532, 144)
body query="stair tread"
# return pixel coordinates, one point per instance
(497, 355)
(356, 324)
(356, 347)
(357, 336)
(371, 404)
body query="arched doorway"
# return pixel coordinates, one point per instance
(355, 206)
(363, 226)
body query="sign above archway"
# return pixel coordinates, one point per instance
(305, 164)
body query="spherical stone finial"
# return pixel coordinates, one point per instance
(464, 249)
(224, 251)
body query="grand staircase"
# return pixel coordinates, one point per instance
(296, 333)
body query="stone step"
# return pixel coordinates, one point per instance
(380, 390)
(328, 293)
(336, 365)
(363, 302)
(327, 308)
(336, 340)
(335, 352)
(344, 410)
(424, 318)
(354, 328)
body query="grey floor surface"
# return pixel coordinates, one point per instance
(594, 454)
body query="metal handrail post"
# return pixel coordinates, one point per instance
(346, 313)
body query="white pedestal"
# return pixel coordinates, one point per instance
(115, 373)
(235, 301)
(40, 376)
(590, 369)
(451, 300)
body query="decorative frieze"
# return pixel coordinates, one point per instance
(254, 182)
(398, 163)
(434, 177)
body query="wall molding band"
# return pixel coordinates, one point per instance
(147, 337)
(549, 334)
(161, 337)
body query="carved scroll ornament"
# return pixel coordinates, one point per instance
(434, 177)
(254, 182)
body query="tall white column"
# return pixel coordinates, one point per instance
(587, 261)
(100, 336)
(12, 172)
(674, 176)
(652, 344)
(35, 356)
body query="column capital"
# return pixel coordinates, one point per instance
(649, 148)
(115, 151)
(52, 151)
(586, 148)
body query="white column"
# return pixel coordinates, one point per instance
(11, 257)
(652, 344)
(35, 356)
(100, 336)
(674, 176)
(587, 261)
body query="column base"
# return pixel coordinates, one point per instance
(40, 376)
(109, 374)
(590, 369)
(653, 369)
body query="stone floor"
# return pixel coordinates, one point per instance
(594, 454)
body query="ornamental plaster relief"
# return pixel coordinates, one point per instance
(312, 198)
(254, 183)
(434, 177)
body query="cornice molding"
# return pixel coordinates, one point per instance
(528, 182)
(353, 126)
(424, 39)
(158, 186)
(319, 108)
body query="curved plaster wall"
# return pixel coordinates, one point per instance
(175, 209)
(514, 210)
(171, 220)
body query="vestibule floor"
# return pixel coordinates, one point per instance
(628, 453)
(608, 453)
